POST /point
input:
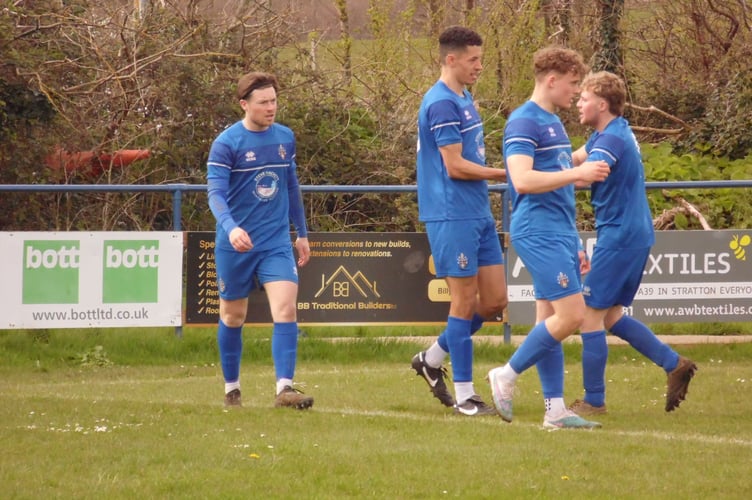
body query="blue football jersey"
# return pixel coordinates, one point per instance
(622, 214)
(534, 132)
(256, 168)
(446, 118)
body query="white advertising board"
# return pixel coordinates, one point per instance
(90, 279)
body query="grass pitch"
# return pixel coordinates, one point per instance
(97, 423)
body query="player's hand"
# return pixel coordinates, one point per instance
(593, 171)
(584, 262)
(304, 251)
(240, 240)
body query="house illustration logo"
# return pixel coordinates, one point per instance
(342, 284)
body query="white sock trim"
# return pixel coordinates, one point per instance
(435, 355)
(554, 406)
(463, 391)
(281, 383)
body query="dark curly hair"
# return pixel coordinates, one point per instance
(457, 38)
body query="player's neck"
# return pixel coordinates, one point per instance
(453, 84)
(253, 126)
(541, 99)
(603, 121)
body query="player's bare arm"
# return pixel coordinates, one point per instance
(526, 180)
(462, 169)
(579, 156)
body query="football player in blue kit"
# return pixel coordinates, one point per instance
(625, 235)
(453, 202)
(542, 178)
(254, 194)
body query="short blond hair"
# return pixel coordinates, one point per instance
(608, 87)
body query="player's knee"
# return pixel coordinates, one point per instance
(494, 307)
(231, 313)
(232, 320)
(503, 303)
(573, 319)
(284, 313)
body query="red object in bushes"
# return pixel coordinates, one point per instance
(92, 163)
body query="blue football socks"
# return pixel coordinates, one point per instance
(475, 324)
(644, 340)
(230, 342)
(536, 345)
(285, 349)
(460, 348)
(594, 357)
(551, 372)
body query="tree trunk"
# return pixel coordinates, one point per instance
(344, 26)
(610, 56)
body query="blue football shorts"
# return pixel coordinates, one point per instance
(238, 272)
(614, 276)
(459, 247)
(553, 263)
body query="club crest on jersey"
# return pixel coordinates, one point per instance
(267, 186)
(551, 132)
(562, 280)
(468, 116)
(565, 161)
(481, 146)
(282, 152)
(250, 156)
(462, 261)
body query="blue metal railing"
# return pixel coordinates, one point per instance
(177, 191)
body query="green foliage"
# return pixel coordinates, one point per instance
(691, 60)
(340, 143)
(723, 130)
(99, 76)
(722, 208)
(22, 108)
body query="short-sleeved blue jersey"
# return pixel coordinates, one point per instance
(533, 131)
(256, 169)
(447, 118)
(622, 214)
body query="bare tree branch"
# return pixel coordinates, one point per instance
(666, 219)
(654, 130)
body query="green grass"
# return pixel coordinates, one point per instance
(144, 419)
